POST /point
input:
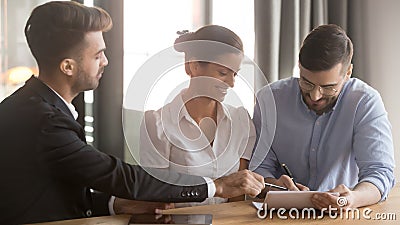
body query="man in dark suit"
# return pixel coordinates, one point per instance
(46, 167)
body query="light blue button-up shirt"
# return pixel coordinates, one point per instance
(351, 143)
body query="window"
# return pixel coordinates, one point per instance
(16, 61)
(149, 30)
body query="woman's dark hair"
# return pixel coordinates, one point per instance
(55, 30)
(208, 42)
(325, 47)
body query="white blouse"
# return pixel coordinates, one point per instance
(170, 138)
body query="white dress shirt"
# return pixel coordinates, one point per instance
(170, 138)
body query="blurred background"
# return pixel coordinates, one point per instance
(272, 32)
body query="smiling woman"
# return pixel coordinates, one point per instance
(196, 133)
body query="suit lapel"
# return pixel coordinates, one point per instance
(48, 95)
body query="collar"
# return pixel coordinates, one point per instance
(177, 107)
(70, 106)
(49, 95)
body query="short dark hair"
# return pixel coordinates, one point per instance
(212, 36)
(324, 47)
(55, 29)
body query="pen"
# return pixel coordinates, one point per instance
(288, 173)
(275, 186)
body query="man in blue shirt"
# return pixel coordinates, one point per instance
(331, 130)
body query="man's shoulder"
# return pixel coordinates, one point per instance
(361, 86)
(280, 88)
(361, 99)
(357, 88)
(25, 106)
(20, 101)
(285, 82)
(282, 84)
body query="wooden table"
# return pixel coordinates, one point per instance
(244, 213)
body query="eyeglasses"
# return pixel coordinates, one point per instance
(327, 91)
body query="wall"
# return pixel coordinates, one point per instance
(382, 51)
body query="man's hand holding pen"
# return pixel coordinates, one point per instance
(284, 183)
(287, 181)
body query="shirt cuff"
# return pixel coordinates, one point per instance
(210, 186)
(378, 184)
(111, 205)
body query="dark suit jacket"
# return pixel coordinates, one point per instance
(47, 169)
